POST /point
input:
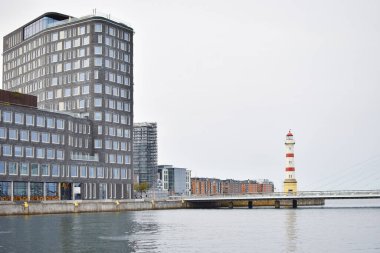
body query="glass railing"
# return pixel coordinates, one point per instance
(94, 14)
(87, 158)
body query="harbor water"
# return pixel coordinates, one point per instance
(339, 226)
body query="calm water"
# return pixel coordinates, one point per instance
(340, 226)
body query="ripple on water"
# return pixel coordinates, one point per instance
(5, 232)
(114, 238)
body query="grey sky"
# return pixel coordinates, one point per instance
(226, 80)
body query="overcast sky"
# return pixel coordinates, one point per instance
(226, 80)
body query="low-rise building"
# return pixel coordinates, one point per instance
(214, 186)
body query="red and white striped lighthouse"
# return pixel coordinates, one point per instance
(290, 182)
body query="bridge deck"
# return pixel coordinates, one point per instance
(289, 196)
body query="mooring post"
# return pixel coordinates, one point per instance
(295, 204)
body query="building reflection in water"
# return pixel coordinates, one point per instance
(291, 230)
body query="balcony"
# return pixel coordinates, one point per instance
(87, 158)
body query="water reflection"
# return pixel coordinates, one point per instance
(291, 230)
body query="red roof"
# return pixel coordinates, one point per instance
(289, 134)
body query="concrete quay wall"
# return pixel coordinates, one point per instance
(52, 207)
(257, 203)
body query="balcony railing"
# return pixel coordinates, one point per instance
(87, 158)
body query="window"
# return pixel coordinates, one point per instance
(12, 168)
(45, 137)
(76, 42)
(76, 91)
(3, 133)
(24, 169)
(98, 143)
(67, 66)
(74, 171)
(116, 173)
(50, 153)
(2, 168)
(91, 172)
(40, 153)
(83, 171)
(7, 117)
(50, 122)
(55, 170)
(98, 27)
(81, 104)
(119, 159)
(98, 102)
(60, 155)
(127, 159)
(60, 124)
(108, 117)
(34, 169)
(54, 58)
(55, 138)
(81, 52)
(98, 88)
(7, 150)
(29, 151)
(98, 61)
(67, 44)
(86, 63)
(115, 145)
(98, 50)
(44, 170)
(100, 172)
(29, 120)
(19, 151)
(85, 89)
(81, 30)
(13, 134)
(67, 92)
(86, 40)
(54, 36)
(19, 118)
(40, 121)
(112, 158)
(35, 136)
(123, 173)
(24, 135)
(108, 144)
(97, 116)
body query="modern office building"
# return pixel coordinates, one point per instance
(177, 181)
(145, 153)
(82, 66)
